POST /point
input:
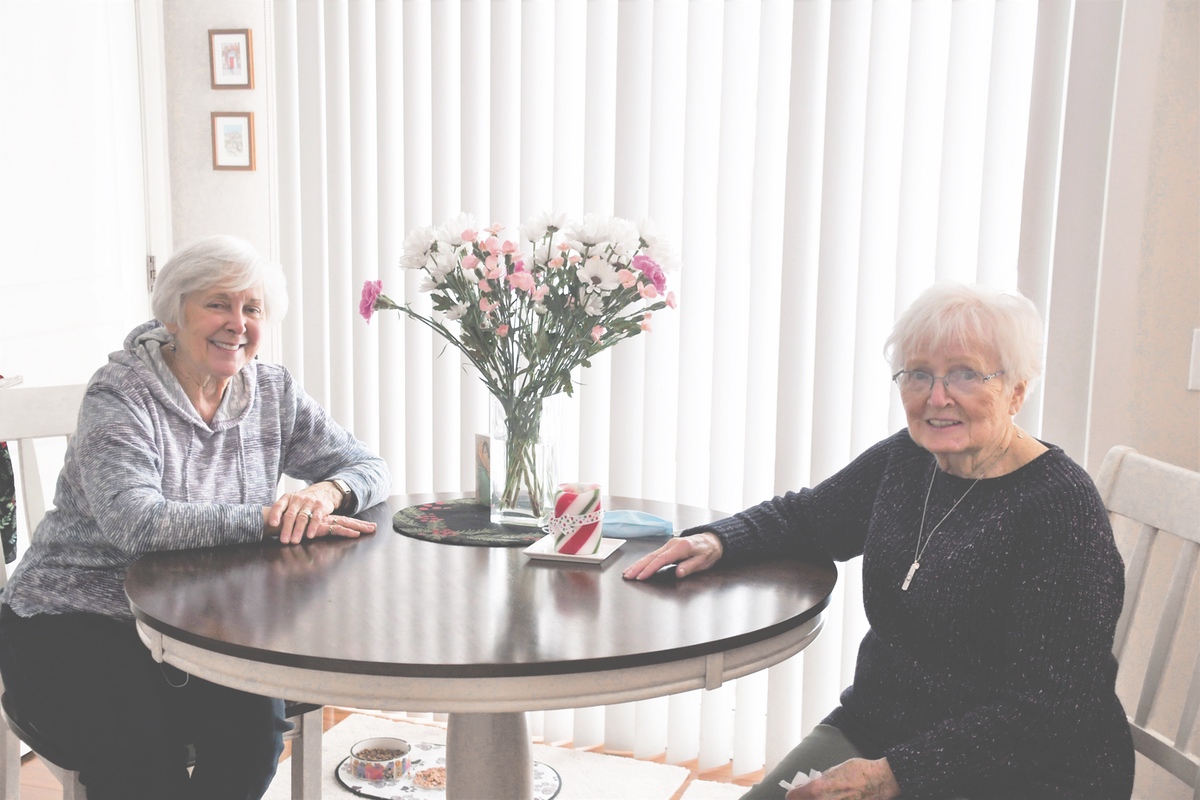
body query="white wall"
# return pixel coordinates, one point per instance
(203, 200)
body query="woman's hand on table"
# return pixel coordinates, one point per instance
(856, 779)
(308, 514)
(690, 553)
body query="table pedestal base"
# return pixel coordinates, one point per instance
(487, 755)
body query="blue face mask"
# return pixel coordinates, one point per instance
(625, 524)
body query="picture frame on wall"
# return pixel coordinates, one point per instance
(233, 140)
(231, 59)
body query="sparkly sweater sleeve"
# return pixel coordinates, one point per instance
(830, 518)
(1055, 665)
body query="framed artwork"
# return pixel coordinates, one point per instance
(233, 139)
(231, 57)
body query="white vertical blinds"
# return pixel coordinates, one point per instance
(816, 163)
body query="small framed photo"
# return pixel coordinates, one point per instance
(231, 56)
(233, 139)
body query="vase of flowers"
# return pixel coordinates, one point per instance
(524, 464)
(525, 312)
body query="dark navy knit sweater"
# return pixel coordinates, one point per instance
(993, 675)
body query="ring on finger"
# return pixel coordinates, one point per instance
(305, 512)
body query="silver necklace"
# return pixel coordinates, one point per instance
(916, 564)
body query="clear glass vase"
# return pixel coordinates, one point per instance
(523, 460)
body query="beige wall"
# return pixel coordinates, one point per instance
(1150, 271)
(203, 200)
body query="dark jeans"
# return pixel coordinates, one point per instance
(88, 683)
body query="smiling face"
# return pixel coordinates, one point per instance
(219, 335)
(962, 429)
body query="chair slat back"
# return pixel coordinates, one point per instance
(29, 413)
(1165, 500)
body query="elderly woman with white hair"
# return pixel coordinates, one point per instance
(182, 440)
(991, 582)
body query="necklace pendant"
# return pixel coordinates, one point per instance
(908, 578)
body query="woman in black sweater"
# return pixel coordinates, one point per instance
(991, 582)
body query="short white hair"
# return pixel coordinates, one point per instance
(219, 260)
(950, 314)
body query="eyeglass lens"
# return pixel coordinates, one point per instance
(963, 380)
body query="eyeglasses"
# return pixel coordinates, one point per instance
(959, 381)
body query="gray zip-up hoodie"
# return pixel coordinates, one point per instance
(145, 472)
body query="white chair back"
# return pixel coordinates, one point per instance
(1163, 500)
(26, 414)
(29, 413)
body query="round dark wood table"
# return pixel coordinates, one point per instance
(484, 633)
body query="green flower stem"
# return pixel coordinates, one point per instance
(522, 422)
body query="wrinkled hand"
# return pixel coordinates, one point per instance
(308, 513)
(856, 779)
(691, 553)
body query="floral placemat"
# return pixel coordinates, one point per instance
(546, 781)
(461, 521)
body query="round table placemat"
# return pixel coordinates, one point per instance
(461, 522)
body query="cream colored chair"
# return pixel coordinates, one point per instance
(1162, 502)
(27, 414)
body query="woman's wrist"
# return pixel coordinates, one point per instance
(344, 495)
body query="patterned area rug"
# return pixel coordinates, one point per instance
(461, 522)
(584, 775)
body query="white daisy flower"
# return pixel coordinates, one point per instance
(416, 248)
(451, 231)
(598, 276)
(535, 228)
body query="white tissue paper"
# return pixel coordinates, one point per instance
(800, 779)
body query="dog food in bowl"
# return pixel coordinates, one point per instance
(381, 760)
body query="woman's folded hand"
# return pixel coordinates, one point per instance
(308, 514)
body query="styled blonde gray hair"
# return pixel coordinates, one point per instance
(950, 314)
(212, 261)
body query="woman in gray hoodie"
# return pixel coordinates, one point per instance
(182, 441)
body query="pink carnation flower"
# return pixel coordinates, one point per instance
(371, 290)
(522, 280)
(653, 272)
